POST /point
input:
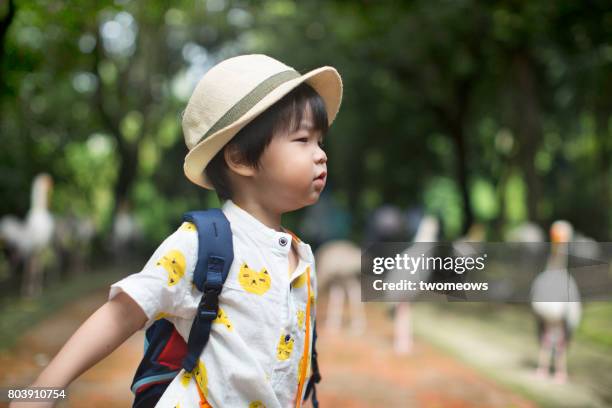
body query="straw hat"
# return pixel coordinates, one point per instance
(233, 93)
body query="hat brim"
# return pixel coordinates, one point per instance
(325, 81)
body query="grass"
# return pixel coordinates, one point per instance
(512, 327)
(19, 314)
(596, 325)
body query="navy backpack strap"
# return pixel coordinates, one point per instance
(215, 256)
(316, 375)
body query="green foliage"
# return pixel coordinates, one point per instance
(442, 199)
(596, 326)
(92, 167)
(93, 94)
(516, 210)
(484, 199)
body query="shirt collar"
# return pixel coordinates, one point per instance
(245, 222)
(268, 237)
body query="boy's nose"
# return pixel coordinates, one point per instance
(320, 156)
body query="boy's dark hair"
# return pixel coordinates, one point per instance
(251, 141)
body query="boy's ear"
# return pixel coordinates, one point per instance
(236, 163)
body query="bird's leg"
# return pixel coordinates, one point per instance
(334, 308)
(545, 353)
(27, 283)
(358, 317)
(561, 362)
(403, 329)
(37, 273)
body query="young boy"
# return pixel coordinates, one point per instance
(254, 129)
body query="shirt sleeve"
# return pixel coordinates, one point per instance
(163, 288)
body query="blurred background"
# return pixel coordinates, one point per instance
(494, 119)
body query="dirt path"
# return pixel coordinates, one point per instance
(362, 371)
(358, 371)
(106, 385)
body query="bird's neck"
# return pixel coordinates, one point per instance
(39, 197)
(558, 256)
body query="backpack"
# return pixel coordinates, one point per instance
(165, 351)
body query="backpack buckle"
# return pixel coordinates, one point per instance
(207, 309)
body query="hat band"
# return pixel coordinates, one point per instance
(251, 99)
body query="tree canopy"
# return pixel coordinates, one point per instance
(488, 112)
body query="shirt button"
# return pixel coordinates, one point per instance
(282, 241)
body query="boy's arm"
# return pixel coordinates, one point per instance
(105, 330)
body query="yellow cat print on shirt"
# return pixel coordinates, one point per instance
(201, 378)
(199, 372)
(300, 280)
(174, 263)
(300, 318)
(185, 378)
(254, 282)
(257, 404)
(162, 315)
(187, 226)
(223, 319)
(285, 347)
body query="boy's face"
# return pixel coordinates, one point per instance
(293, 168)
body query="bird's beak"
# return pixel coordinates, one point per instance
(556, 236)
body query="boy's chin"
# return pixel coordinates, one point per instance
(314, 198)
(311, 200)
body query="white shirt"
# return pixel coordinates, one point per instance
(257, 343)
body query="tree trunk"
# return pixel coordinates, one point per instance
(128, 169)
(527, 127)
(462, 177)
(604, 227)
(5, 22)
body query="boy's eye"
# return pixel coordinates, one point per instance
(302, 140)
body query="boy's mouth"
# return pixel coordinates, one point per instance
(321, 176)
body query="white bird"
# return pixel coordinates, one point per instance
(72, 242)
(525, 232)
(33, 235)
(556, 304)
(339, 266)
(526, 251)
(126, 231)
(470, 244)
(427, 232)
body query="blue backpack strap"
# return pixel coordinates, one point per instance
(215, 256)
(316, 375)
